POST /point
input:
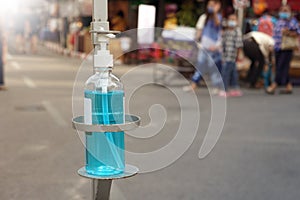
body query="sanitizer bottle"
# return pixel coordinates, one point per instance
(104, 104)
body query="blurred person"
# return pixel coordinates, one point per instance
(266, 23)
(118, 22)
(286, 26)
(19, 31)
(269, 71)
(27, 36)
(171, 21)
(75, 27)
(2, 56)
(259, 6)
(232, 44)
(257, 47)
(209, 27)
(34, 31)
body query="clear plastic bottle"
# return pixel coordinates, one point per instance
(104, 104)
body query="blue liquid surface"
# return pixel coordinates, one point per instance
(105, 151)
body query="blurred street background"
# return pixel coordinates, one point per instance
(257, 156)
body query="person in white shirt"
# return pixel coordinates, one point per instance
(257, 47)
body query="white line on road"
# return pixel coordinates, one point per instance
(57, 117)
(29, 82)
(16, 65)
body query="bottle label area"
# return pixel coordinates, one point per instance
(104, 151)
(87, 111)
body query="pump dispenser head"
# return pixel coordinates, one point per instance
(103, 58)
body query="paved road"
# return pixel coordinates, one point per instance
(257, 156)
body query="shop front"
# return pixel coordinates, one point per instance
(78, 37)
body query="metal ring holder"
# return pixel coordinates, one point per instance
(102, 184)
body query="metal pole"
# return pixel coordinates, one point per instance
(100, 10)
(94, 188)
(101, 189)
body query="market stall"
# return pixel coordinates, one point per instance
(179, 51)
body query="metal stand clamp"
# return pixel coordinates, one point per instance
(101, 185)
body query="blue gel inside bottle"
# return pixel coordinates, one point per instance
(105, 151)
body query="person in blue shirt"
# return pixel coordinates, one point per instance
(286, 25)
(209, 29)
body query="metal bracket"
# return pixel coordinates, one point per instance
(131, 122)
(101, 185)
(100, 33)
